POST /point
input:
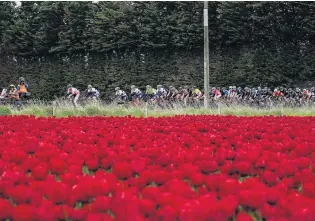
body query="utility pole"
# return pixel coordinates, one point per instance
(206, 55)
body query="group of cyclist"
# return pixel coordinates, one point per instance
(159, 94)
(188, 95)
(73, 93)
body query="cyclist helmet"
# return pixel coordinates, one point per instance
(89, 86)
(22, 79)
(117, 88)
(132, 86)
(69, 86)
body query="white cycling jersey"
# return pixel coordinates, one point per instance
(120, 93)
(73, 91)
(92, 90)
(161, 91)
(136, 91)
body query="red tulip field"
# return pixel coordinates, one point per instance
(183, 168)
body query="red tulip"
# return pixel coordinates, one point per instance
(40, 172)
(6, 209)
(147, 207)
(101, 204)
(122, 170)
(58, 166)
(92, 164)
(166, 213)
(24, 212)
(79, 214)
(241, 216)
(97, 217)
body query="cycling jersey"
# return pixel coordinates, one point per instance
(196, 92)
(92, 92)
(278, 94)
(161, 92)
(216, 93)
(225, 92)
(136, 93)
(73, 91)
(150, 91)
(121, 93)
(307, 94)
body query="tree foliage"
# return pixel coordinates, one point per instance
(120, 43)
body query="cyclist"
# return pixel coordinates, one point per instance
(92, 93)
(289, 93)
(183, 94)
(196, 93)
(282, 91)
(172, 94)
(240, 92)
(150, 92)
(298, 95)
(312, 91)
(136, 94)
(247, 94)
(224, 92)
(307, 94)
(216, 94)
(120, 95)
(264, 92)
(160, 92)
(232, 92)
(276, 92)
(160, 95)
(74, 94)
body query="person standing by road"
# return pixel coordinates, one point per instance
(22, 88)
